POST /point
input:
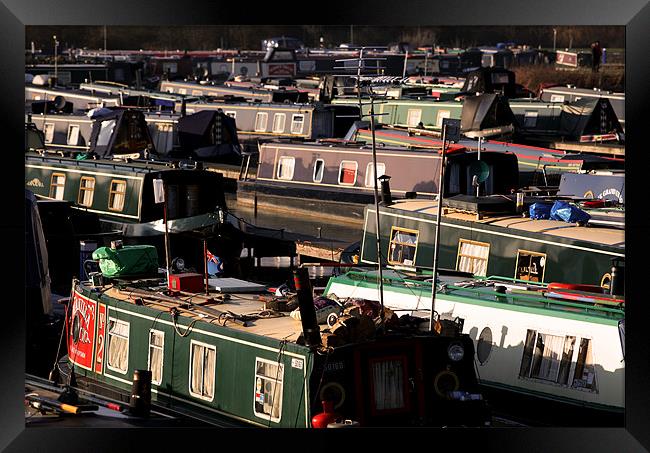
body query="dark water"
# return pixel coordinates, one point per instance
(338, 234)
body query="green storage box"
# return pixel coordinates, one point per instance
(129, 260)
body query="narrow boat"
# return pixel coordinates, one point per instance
(222, 354)
(551, 355)
(537, 165)
(339, 175)
(486, 236)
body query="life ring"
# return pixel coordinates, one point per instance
(442, 375)
(336, 386)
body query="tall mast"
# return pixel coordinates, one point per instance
(376, 192)
(454, 132)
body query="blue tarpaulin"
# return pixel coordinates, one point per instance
(540, 211)
(562, 210)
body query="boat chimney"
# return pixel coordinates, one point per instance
(617, 282)
(386, 197)
(310, 329)
(140, 402)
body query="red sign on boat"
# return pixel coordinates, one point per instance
(81, 331)
(101, 339)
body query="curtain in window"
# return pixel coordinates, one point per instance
(585, 374)
(546, 361)
(118, 349)
(285, 168)
(196, 384)
(118, 189)
(567, 355)
(473, 258)
(156, 356)
(388, 380)
(297, 124)
(208, 373)
(88, 186)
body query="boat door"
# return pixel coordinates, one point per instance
(388, 384)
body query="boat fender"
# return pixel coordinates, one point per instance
(326, 417)
(443, 378)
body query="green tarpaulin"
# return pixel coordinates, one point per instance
(127, 261)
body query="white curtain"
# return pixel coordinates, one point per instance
(156, 356)
(118, 346)
(473, 258)
(118, 194)
(197, 369)
(388, 380)
(271, 377)
(208, 373)
(550, 356)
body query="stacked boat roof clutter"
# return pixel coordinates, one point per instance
(488, 268)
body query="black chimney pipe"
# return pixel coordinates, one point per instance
(617, 282)
(140, 402)
(310, 329)
(386, 197)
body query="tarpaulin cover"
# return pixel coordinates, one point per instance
(562, 210)
(540, 211)
(127, 261)
(588, 116)
(485, 111)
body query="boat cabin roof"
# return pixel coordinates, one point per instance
(207, 308)
(602, 235)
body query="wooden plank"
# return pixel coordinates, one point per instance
(612, 150)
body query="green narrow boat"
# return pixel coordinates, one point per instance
(227, 355)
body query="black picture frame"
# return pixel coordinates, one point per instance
(633, 14)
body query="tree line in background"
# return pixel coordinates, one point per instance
(249, 37)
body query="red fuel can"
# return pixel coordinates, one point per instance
(188, 282)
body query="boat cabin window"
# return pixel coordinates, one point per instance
(403, 246)
(118, 345)
(388, 384)
(286, 165)
(348, 172)
(231, 114)
(530, 118)
(197, 92)
(105, 132)
(155, 360)
(57, 186)
(473, 257)
(182, 91)
(48, 129)
(269, 378)
(297, 124)
(530, 266)
(319, 169)
(370, 170)
(278, 122)
(203, 359)
(557, 98)
(413, 117)
(442, 114)
(260, 121)
(585, 373)
(73, 134)
(117, 195)
(549, 357)
(86, 191)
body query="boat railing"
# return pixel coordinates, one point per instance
(483, 288)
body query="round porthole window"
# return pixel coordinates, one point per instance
(484, 345)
